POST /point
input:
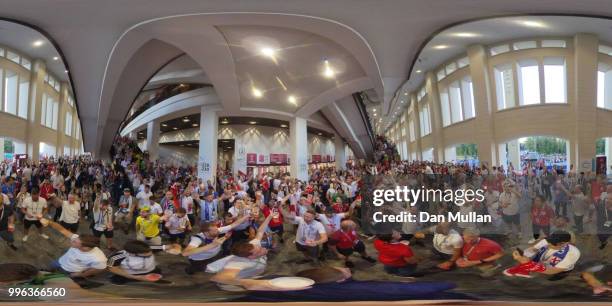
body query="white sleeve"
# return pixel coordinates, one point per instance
(570, 259)
(321, 228)
(542, 243)
(238, 265)
(297, 220)
(457, 242)
(225, 229)
(194, 242)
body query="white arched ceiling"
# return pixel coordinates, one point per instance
(198, 36)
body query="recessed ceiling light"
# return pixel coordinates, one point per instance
(185, 119)
(440, 47)
(65, 71)
(292, 100)
(320, 134)
(55, 58)
(374, 114)
(464, 34)
(163, 124)
(252, 122)
(268, 52)
(532, 24)
(175, 128)
(283, 125)
(328, 72)
(38, 43)
(419, 71)
(224, 121)
(195, 124)
(229, 148)
(257, 93)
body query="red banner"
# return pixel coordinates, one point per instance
(251, 158)
(278, 159)
(316, 159)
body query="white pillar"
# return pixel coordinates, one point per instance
(514, 154)
(450, 154)
(339, 153)
(298, 136)
(503, 156)
(207, 159)
(240, 161)
(608, 153)
(153, 139)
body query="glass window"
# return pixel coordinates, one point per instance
(445, 106)
(78, 130)
(499, 49)
(604, 86)
(26, 63)
(56, 86)
(441, 74)
(553, 43)
(68, 125)
(70, 100)
(24, 91)
(12, 56)
(425, 124)
(450, 68)
(554, 80)
(1, 52)
(411, 130)
(504, 81)
(605, 49)
(55, 113)
(529, 82)
(43, 113)
(462, 62)
(454, 94)
(11, 83)
(529, 44)
(467, 98)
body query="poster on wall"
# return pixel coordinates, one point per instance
(278, 159)
(263, 159)
(251, 158)
(316, 159)
(600, 165)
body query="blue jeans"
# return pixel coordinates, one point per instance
(406, 270)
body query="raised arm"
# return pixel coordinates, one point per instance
(262, 228)
(60, 229)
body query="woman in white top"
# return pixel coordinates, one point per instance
(70, 216)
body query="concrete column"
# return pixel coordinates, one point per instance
(431, 86)
(502, 155)
(153, 139)
(414, 104)
(484, 128)
(61, 119)
(37, 81)
(207, 155)
(514, 154)
(339, 152)
(585, 62)
(298, 137)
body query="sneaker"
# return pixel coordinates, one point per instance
(25, 238)
(518, 271)
(44, 236)
(531, 241)
(369, 259)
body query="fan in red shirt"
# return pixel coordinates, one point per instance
(478, 251)
(346, 241)
(276, 223)
(541, 214)
(396, 256)
(46, 189)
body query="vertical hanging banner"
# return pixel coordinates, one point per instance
(204, 169)
(240, 157)
(251, 159)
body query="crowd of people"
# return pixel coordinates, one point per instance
(229, 227)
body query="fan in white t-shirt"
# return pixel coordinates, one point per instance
(248, 260)
(83, 258)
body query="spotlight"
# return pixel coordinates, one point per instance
(257, 93)
(38, 43)
(328, 72)
(185, 119)
(440, 47)
(175, 128)
(194, 125)
(464, 34)
(268, 52)
(283, 125)
(292, 100)
(532, 24)
(55, 58)
(252, 122)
